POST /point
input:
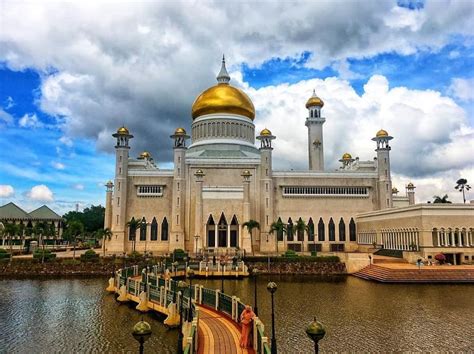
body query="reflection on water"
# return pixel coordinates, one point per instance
(76, 315)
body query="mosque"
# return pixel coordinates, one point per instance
(223, 178)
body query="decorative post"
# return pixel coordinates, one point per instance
(141, 332)
(316, 332)
(272, 288)
(181, 286)
(254, 273)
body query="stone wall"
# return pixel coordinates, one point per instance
(301, 268)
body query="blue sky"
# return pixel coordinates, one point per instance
(63, 93)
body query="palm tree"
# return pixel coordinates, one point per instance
(74, 229)
(250, 225)
(441, 200)
(279, 228)
(134, 225)
(43, 230)
(104, 234)
(11, 229)
(461, 185)
(301, 227)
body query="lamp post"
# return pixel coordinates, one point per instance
(222, 262)
(190, 276)
(175, 265)
(255, 273)
(272, 288)
(196, 238)
(181, 286)
(370, 260)
(141, 332)
(316, 332)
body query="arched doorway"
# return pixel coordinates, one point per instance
(234, 232)
(222, 231)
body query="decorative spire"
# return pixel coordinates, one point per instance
(223, 76)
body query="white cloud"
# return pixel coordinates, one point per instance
(463, 89)
(30, 121)
(6, 191)
(5, 117)
(58, 165)
(9, 102)
(78, 186)
(41, 193)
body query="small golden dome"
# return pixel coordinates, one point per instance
(144, 155)
(266, 132)
(346, 156)
(180, 131)
(314, 101)
(410, 185)
(246, 173)
(381, 133)
(223, 98)
(394, 190)
(123, 130)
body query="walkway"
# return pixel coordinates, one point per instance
(218, 334)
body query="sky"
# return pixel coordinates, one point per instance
(72, 72)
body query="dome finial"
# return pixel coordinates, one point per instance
(223, 76)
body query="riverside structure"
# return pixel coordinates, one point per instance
(222, 180)
(209, 319)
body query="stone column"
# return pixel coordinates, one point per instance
(438, 237)
(451, 236)
(246, 239)
(198, 222)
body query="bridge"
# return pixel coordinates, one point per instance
(211, 319)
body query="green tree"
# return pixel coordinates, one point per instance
(92, 218)
(11, 230)
(134, 225)
(104, 235)
(462, 186)
(441, 200)
(279, 228)
(251, 225)
(74, 229)
(301, 227)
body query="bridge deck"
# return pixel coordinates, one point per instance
(218, 334)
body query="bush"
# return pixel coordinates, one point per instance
(314, 253)
(38, 254)
(290, 254)
(134, 255)
(179, 254)
(89, 256)
(302, 259)
(4, 254)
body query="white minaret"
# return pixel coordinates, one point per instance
(120, 191)
(411, 193)
(315, 122)
(108, 205)
(384, 183)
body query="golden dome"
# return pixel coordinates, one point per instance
(410, 185)
(346, 156)
(123, 131)
(265, 132)
(180, 131)
(144, 155)
(314, 101)
(223, 98)
(381, 133)
(394, 190)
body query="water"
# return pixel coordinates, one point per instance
(77, 315)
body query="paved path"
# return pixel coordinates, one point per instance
(218, 334)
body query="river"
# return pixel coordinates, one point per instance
(77, 315)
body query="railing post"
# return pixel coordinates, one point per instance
(233, 308)
(237, 314)
(255, 334)
(162, 295)
(217, 299)
(200, 293)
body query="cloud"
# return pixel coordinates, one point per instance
(30, 121)
(9, 102)
(146, 72)
(41, 193)
(6, 191)
(78, 186)
(58, 165)
(5, 117)
(462, 89)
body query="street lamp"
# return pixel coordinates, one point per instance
(272, 288)
(196, 238)
(175, 265)
(255, 273)
(141, 332)
(181, 286)
(316, 332)
(190, 276)
(222, 262)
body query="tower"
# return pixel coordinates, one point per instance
(119, 202)
(411, 193)
(266, 188)
(108, 205)
(315, 122)
(179, 190)
(384, 183)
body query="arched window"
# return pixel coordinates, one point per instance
(143, 230)
(310, 230)
(164, 230)
(332, 230)
(352, 230)
(234, 232)
(434, 237)
(342, 230)
(321, 234)
(211, 232)
(154, 230)
(289, 230)
(222, 231)
(300, 230)
(280, 232)
(132, 230)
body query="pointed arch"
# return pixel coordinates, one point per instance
(164, 230)
(300, 232)
(143, 227)
(321, 230)
(132, 230)
(234, 220)
(352, 230)
(154, 230)
(234, 232)
(222, 231)
(342, 230)
(211, 232)
(310, 230)
(332, 230)
(289, 230)
(280, 231)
